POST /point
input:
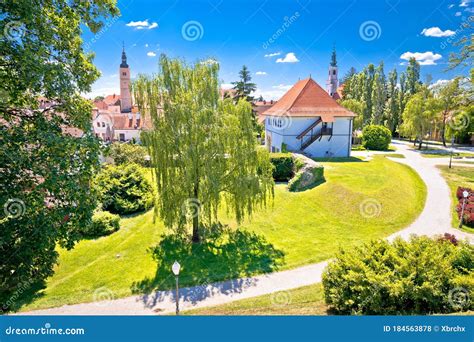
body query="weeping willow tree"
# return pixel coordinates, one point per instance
(203, 149)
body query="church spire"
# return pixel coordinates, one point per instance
(333, 57)
(124, 57)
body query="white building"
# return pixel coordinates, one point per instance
(308, 120)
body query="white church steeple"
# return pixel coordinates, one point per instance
(332, 82)
(125, 96)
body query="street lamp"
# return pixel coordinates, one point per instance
(175, 268)
(465, 195)
(451, 151)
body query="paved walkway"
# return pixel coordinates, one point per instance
(435, 219)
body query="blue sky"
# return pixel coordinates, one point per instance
(299, 34)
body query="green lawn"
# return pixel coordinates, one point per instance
(458, 176)
(308, 300)
(297, 229)
(434, 152)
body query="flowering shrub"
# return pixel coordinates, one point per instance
(468, 214)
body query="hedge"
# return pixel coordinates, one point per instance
(284, 166)
(468, 214)
(124, 189)
(103, 223)
(376, 137)
(420, 276)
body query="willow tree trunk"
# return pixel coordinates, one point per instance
(196, 214)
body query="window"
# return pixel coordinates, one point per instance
(98, 124)
(122, 137)
(103, 124)
(334, 72)
(130, 122)
(124, 73)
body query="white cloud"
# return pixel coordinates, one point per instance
(458, 14)
(227, 86)
(424, 58)
(437, 32)
(151, 54)
(289, 58)
(273, 54)
(146, 45)
(450, 6)
(142, 24)
(275, 93)
(464, 3)
(439, 83)
(262, 73)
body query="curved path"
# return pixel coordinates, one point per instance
(434, 219)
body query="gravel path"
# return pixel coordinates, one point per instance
(435, 219)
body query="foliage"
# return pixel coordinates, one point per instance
(392, 108)
(283, 166)
(464, 57)
(103, 223)
(449, 97)
(46, 172)
(124, 189)
(205, 146)
(420, 276)
(419, 115)
(126, 153)
(357, 107)
(307, 178)
(244, 87)
(376, 137)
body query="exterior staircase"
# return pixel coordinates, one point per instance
(308, 136)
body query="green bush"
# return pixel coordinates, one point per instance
(420, 276)
(307, 178)
(124, 189)
(376, 137)
(103, 223)
(284, 165)
(126, 153)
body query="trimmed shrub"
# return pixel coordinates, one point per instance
(103, 223)
(376, 137)
(124, 189)
(420, 276)
(126, 153)
(468, 214)
(284, 165)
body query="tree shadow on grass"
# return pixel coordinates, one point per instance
(340, 160)
(222, 254)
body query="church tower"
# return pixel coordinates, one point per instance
(125, 97)
(332, 82)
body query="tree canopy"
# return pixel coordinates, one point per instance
(46, 165)
(203, 148)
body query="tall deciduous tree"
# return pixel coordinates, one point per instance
(45, 171)
(203, 148)
(244, 87)
(449, 96)
(419, 115)
(379, 95)
(413, 76)
(392, 109)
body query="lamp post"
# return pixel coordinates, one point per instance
(451, 153)
(175, 268)
(465, 195)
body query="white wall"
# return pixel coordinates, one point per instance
(129, 134)
(338, 145)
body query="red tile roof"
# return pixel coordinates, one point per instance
(306, 98)
(112, 100)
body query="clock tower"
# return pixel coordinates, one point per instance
(125, 97)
